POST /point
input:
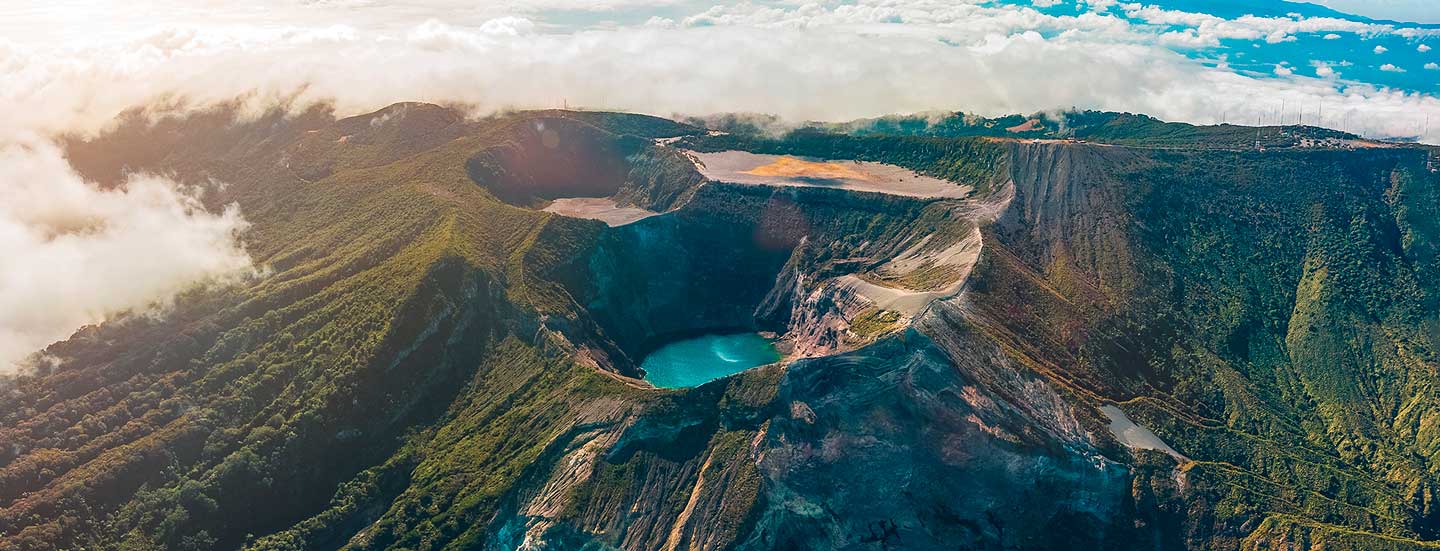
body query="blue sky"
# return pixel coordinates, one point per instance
(1382, 58)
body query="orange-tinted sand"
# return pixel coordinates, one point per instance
(1027, 126)
(741, 167)
(791, 167)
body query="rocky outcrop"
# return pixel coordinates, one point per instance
(896, 446)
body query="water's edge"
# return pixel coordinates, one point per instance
(699, 360)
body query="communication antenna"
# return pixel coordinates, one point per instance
(1258, 129)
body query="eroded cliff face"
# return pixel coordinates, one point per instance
(1069, 213)
(738, 257)
(1189, 286)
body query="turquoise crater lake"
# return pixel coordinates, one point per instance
(697, 361)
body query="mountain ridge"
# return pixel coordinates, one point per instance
(429, 366)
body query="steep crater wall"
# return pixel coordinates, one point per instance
(547, 158)
(1229, 298)
(735, 257)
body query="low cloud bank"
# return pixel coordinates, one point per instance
(832, 72)
(76, 254)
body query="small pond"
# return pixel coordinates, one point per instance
(693, 362)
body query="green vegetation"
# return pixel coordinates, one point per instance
(425, 366)
(1288, 532)
(873, 322)
(243, 411)
(1094, 126)
(392, 382)
(1263, 315)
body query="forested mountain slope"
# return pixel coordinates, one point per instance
(430, 362)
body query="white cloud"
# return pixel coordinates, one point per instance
(1188, 38)
(1045, 3)
(821, 60)
(1208, 30)
(1417, 33)
(77, 254)
(1433, 66)
(784, 58)
(1381, 49)
(508, 26)
(1422, 48)
(816, 60)
(1391, 68)
(1276, 37)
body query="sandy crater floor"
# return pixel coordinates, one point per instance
(603, 209)
(742, 167)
